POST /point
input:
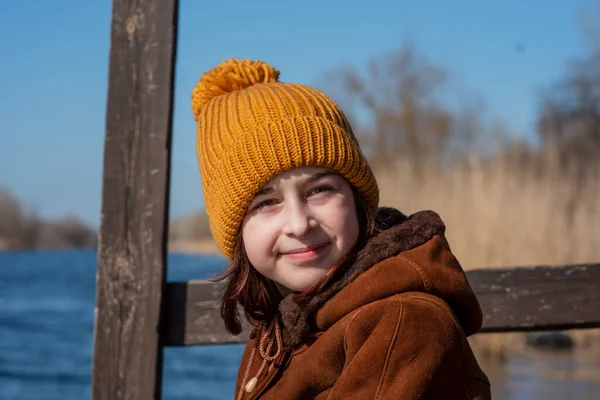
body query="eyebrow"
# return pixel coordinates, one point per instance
(312, 178)
(319, 175)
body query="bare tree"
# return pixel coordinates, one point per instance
(396, 107)
(31, 227)
(23, 229)
(570, 110)
(10, 215)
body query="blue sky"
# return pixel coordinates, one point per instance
(54, 74)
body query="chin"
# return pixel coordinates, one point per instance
(304, 285)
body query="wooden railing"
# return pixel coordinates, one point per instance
(512, 299)
(138, 313)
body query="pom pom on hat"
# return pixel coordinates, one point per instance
(231, 75)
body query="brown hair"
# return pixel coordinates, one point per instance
(259, 296)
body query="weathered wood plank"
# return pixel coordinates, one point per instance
(192, 315)
(538, 298)
(512, 299)
(127, 361)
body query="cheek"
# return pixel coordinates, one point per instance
(250, 243)
(350, 230)
(258, 243)
(346, 225)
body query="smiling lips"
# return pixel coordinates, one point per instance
(307, 253)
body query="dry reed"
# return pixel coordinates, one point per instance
(502, 213)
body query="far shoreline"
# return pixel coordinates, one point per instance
(204, 247)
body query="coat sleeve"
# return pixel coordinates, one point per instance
(404, 347)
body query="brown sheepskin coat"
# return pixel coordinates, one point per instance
(394, 326)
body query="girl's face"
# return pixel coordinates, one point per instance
(299, 225)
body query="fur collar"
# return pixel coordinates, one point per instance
(400, 233)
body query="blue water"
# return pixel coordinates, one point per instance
(46, 333)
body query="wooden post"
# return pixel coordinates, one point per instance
(127, 362)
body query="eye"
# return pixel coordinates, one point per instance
(320, 189)
(263, 204)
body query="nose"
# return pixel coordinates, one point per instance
(299, 220)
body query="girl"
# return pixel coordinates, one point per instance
(348, 300)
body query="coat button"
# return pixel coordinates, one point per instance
(251, 385)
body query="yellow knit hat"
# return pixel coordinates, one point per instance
(251, 128)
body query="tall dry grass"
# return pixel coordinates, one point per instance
(500, 212)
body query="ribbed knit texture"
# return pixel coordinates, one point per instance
(251, 127)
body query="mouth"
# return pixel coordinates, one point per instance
(306, 253)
